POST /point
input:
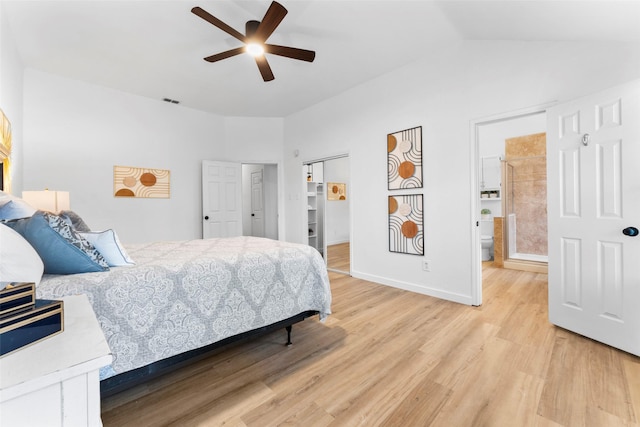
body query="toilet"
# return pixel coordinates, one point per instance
(487, 247)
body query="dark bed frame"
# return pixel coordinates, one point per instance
(125, 380)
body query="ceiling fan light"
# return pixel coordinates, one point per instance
(255, 49)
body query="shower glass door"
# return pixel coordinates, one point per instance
(525, 204)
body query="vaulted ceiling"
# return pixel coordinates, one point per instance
(155, 48)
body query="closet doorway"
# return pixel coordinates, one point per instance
(334, 176)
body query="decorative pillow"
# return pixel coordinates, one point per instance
(62, 250)
(20, 262)
(74, 220)
(16, 208)
(5, 197)
(107, 243)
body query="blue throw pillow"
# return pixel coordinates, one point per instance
(61, 249)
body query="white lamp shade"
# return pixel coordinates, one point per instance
(46, 200)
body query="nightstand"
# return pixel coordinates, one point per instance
(56, 382)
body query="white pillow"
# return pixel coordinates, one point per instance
(19, 262)
(107, 243)
(16, 209)
(5, 197)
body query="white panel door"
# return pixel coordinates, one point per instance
(221, 199)
(593, 154)
(257, 204)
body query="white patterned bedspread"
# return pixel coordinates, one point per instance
(184, 295)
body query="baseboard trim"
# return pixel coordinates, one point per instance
(339, 242)
(533, 266)
(420, 289)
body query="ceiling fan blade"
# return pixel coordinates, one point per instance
(274, 16)
(290, 52)
(265, 69)
(224, 55)
(218, 23)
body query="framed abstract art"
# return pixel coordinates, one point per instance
(404, 159)
(406, 224)
(141, 182)
(336, 191)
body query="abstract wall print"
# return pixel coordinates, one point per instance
(406, 225)
(404, 159)
(141, 182)
(336, 191)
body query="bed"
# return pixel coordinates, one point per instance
(183, 296)
(163, 303)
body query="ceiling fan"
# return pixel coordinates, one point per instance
(257, 33)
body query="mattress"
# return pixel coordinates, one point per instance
(183, 295)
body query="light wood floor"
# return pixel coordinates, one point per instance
(338, 257)
(394, 358)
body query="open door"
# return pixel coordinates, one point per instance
(221, 199)
(257, 203)
(593, 149)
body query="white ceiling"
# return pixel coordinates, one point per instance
(154, 48)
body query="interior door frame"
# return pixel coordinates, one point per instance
(279, 190)
(474, 137)
(279, 185)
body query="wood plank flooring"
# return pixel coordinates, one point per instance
(338, 257)
(387, 357)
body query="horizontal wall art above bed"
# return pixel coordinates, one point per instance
(140, 182)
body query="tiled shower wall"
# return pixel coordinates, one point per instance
(527, 191)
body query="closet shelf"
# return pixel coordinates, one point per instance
(315, 209)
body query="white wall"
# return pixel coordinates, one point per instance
(251, 140)
(336, 213)
(11, 97)
(442, 93)
(76, 132)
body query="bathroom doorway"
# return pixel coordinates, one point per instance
(508, 193)
(513, 189)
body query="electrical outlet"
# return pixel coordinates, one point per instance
(426, 265)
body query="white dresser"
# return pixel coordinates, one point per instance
(56, 382)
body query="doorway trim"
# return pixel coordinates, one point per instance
(474, 130)
(279, 186)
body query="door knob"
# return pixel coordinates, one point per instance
(630, 231)
(253, 214)
(206, 217)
